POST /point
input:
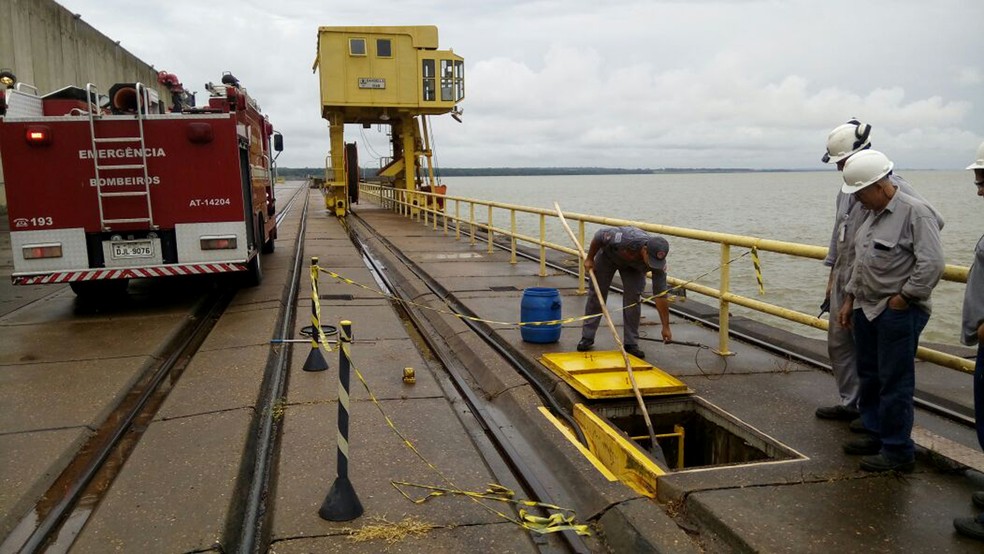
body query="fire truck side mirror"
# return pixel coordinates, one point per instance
(278, 142)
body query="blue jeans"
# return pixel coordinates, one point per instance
(979, 393)
(887, 371)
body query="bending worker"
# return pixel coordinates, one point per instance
(631, 252)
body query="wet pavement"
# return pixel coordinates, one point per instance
(183, 483)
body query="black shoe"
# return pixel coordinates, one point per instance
(880, 463)
(635, 351)
(857, 427)
(863, 446)
(837, 412)
(978, 499)
(585, 345)
(971, 527)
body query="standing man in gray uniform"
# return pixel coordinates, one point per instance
(898, 262)
(631, 252)
(973, 333)
(842, 143)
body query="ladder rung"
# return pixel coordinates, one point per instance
(118, 194)
(125, 166)
(117, 139)
(133, 220)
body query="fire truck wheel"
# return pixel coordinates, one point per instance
(254, 273)
(269, 245)
(99, 289)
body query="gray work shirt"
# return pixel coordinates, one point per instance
(973, 304)
(897, 250)
(848, 215)
(623, 246)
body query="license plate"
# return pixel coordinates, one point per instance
(133, 249)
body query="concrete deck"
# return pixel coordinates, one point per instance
(181, 486)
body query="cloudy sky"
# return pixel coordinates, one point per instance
(617, 83)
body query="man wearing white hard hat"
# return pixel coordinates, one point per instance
(898, 262)
(843, 142)
(973, 333)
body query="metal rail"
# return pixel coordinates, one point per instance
(424, 206)
(253, 524)
(150, 395)
(529, 476)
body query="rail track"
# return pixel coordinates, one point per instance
(54, 523)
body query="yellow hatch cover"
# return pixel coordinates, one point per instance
(602, 374)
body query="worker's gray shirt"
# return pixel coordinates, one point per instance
(623, 246)
(973, 304)
(897, 250)
(849, 213)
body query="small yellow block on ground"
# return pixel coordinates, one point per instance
(602, 374)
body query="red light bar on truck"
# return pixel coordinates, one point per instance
(38, 135)
(38, 251)
(219, 243)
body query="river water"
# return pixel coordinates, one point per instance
(789, 206)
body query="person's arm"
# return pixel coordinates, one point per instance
(844, 317)
(592, 250)
(663, 307)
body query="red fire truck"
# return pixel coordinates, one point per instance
(106, 188)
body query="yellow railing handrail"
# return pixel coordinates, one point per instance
(408, 203)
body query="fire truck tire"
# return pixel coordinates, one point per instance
(269, 245)
(99, 289)
(254, 272)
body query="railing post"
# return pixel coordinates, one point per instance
(723, 305)
(471, 221)
(444, 213)
(580, 262)
(512, 237)
(457, 219)
(543, 247)
(488, 231)
(342, 504)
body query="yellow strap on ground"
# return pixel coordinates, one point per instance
(561, 520)
(494, 492)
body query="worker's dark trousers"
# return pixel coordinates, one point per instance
(633, 281)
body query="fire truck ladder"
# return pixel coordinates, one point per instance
(143, 106)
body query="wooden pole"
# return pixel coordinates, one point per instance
(656, 449)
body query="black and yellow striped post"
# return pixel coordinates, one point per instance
(316, 360)
(342, 504)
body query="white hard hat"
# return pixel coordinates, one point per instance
(865, 168)
(845, 140)
(979, 164)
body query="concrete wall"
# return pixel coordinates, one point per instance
(45, 45)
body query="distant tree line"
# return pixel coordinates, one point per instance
(303, 172)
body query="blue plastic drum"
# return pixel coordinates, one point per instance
(540, 304)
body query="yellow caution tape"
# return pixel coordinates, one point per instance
(758, 269)
(555, 522)
(316, 318)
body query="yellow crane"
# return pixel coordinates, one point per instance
(392, 76)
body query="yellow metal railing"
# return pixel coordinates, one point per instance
(424, 206)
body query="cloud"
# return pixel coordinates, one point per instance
(622, 83)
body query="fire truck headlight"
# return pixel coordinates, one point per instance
(38, 251)
(200, 133)
(219, 243)
(38, 135)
